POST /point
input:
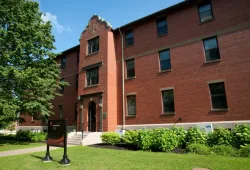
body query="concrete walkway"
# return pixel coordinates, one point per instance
(27, 150)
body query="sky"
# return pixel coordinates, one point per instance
(70, 17)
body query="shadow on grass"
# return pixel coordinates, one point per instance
(38, 157)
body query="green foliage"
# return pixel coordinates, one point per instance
(244, 151)
(12, 126)
(111, 138)
(130, 137)
(195, 135)
(198, 149)
(220, 136)
(181, 135)
(145, 139)
(241, 135)
(27, 135)
(224, 150)
(29, 73)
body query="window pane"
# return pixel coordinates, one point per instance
(218, 95)
(129, 38)
(212, 54)
(131, 102)
(165, 65)
(161, 23)
(130, 64)
(164, 55)
(62, 87)
(168, 101)
(162, 30)
(205, 8)
(207, 15)
(210, 43)
(130, 73)
(60, 111)
(93, 45)
(92, 76)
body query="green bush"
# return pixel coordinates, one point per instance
(157, 140)
(130, 137)
(27, 135)
(145, 139)
(244, 151)
(241, 135)
(220, 136)
(111, 138)
(181, 135)
(198, 149)
(224, 150)
(195, 135)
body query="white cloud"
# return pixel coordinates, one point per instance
(53, 19)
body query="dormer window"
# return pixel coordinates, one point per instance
(93, 45)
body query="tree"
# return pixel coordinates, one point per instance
(29, 74)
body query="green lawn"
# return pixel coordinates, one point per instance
(6, 145)
(97, 158)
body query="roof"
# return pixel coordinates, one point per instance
(158, 13)
(72, 48)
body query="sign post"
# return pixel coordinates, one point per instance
(57, 136)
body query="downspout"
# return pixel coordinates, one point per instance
(123, 100)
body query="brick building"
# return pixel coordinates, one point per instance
(185, 65)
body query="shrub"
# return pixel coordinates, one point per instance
(181, 134)
(241, 135)
(157, 140)
(225, 150)
(111, 138)
(27, 135)
(131, 137)
(220, 136)
(195, 135)
(198, 149)
(145, 139)
(244, 151)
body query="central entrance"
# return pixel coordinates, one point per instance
(92, 117)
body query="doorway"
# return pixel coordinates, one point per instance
(92, 117)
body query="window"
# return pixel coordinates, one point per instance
(77, 56)
(211, 49)
(205, 12)
(131, 101)
(129, 38)
(77, 78)
(75, 111)
(165, 60)
(162, 27)
(92, 76)
(93, 45)
(63, 62)
(168, 101)
(130, 68)
(218, 95)
(60, 111)
(62, 87)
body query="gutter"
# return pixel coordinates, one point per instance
(123, 99)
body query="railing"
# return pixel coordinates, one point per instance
(80, 126)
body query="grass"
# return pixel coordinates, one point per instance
(6, 145)
(98, 158)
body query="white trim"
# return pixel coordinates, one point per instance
(215, 81)
(227, 124)
(167, 88)
(131, 94)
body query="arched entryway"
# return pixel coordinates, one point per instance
(92, 117)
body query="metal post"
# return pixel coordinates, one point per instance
(65, 160)
(47, 157)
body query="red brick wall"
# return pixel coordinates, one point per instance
(189, 74)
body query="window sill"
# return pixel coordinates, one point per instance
(204, 22)
(164, 71)
(168, 114)
(129, 46)
(130, 78)
(160, 36)
(220, 110)
(92, 54)
(213, 61)
(130, 116)
(91, 86)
